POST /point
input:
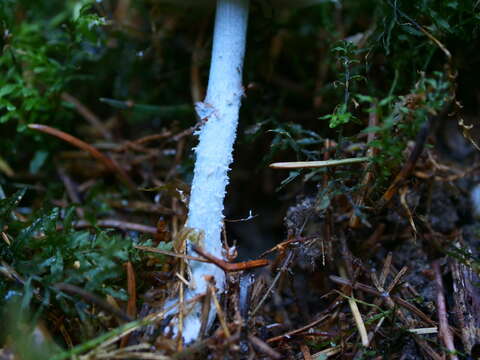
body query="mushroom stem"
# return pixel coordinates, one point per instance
(219, 111)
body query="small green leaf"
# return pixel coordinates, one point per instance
(364, 98)
(163, 110)
(411, 30)
(8, 204)
(7, 89)
(386, 101)
(291, 176)
(38, 161)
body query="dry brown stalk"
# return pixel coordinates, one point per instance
(444, 330)
(230, 267)
(110, 164)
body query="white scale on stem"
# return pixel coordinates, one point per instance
(214, 152)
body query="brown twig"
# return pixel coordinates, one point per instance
(357, 316)
(87, 114)
(373, 239)
(196, 87)
(153, 137)
(141, 206)
(94, 299)
(466, 296)
(379, 283)
(198, 346)
(182, 250)
(385, 271)
(373, 291)
(422, 29)
(444, 330)
(176, 161)
(220, 313)
(137, 144)
(110, 164)
(264, 347)
(286, 263)
(407, 168)
(169, 253)
(230, 267)
(189, 131)
(206, 305)
(306, 352)
(298, 331)
(132, 290)
(132, 298)
(116, 224)
(422, 136)
(72, 190)
(390, 301)
(291, 241)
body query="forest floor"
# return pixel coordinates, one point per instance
(375, 258)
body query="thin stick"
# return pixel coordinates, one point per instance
(390, 300)
(356, 315)
(117, 332)
(317, 164)
(409, 165)
(169, 253)
(444, 330)
(423, 331)
(422, 29)
(153, 137)
(132, 290)
(130, 352)
(230, 267)
(132, 297)
(113, 335)
(116, 224)
(327, 352)
(274, 282)
(358, 320)
(396, 279)
(94, 299)
(181, 306)
(264, 347)
(109, 163)
(306, 352)
(297, 331)
(87, 114)
(220, 314)
(373, 291)
(72, 191)
(103, 341)
(207, 303)
(196, 87)
(385, 270)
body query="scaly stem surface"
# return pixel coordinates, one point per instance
(220, 111)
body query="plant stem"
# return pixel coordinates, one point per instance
(214, 152)
(317, 164)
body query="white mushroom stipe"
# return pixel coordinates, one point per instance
(220, 111)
